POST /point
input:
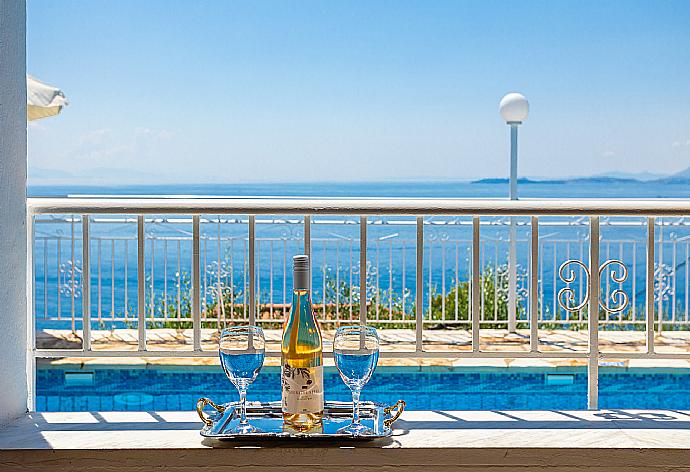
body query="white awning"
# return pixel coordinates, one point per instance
(42, 100)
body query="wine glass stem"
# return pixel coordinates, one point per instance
(355, 406)
(243, 404)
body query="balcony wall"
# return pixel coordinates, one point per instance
(13, 385)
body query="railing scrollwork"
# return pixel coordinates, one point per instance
(566, 295)
(616, 302)
(618, 297)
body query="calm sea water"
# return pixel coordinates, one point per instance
(447, 189)
(335, 249)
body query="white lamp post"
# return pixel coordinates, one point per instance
(514, 109)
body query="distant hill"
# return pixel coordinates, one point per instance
(577, 180)
(682, 177)
(604, 180)
(521, 180)
(641, 176)
(97, 176)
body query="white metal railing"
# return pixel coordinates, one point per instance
(388, 285)
(58, 282)
(592, 210)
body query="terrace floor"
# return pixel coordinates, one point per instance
(563, 341)
(611, 440)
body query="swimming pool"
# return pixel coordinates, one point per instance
(97, 388)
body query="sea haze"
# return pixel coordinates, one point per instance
(494, 188)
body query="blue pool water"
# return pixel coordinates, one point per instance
(177, 388)
(240, 367)
(356, 369)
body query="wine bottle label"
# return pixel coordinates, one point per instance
(302, 389)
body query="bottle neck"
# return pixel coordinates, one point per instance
(301, 334)
(301, 312)
(300, 280)
(301, 296)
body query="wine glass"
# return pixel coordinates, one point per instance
(356, 352)
(241, 350)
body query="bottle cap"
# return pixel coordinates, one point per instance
(301, 272)
(300, 262)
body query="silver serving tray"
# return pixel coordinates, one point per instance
(268, 418)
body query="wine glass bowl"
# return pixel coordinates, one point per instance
(241, 350)
(356, 353)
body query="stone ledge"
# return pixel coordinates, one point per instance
(434, 440)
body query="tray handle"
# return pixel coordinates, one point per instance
(201, 403)
(399, 407)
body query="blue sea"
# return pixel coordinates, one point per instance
(433, 189)
(335, 247)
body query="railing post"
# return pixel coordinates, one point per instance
(593, 321)
(252, 269)
(196, 282)
(362, 270)
(307, 235)
(141, 283)
(512, 277)
(307, 246)
(419, 279)
(86, 283)
(476, 293)
(534, 287)
(660, 300)
(73, 266)
(649, 296)
(31, 314)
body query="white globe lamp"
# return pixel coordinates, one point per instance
(514, 108)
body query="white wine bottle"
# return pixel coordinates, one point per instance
(302, 356)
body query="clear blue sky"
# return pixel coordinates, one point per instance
(201, 91)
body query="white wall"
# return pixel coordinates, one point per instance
(13, 320)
